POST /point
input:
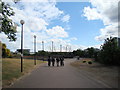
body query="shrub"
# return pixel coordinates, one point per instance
(89, 62)
(84, 61)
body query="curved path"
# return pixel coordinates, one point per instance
(58, 77)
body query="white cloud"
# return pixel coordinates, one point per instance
(74, 38)
(37, 16)
(51, 12)
(110, 30)
(36, 23)
(66, 18)
(107, 11)
(91, 13)
(57, 31)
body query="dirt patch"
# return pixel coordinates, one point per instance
(107, 74)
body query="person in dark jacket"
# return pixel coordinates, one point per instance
(62, 61)
(57, 61)
(53, 61)
(49, 61)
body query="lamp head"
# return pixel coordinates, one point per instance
(34, 36)
(22, 22)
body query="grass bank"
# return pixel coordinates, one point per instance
(11, 69)
(107, 74)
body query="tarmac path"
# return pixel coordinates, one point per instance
(58, 77)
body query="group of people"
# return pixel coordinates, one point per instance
(59, 61)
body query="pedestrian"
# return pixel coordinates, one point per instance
(49, 61)
(62, 61)
(57, 61)
(53, 61)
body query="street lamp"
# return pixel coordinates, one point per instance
(34, 50)
(22, 22)
(43, 45)
(52, 46)
(66, 48)
(60, 48)
(69, 48)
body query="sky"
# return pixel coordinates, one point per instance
(75, 25)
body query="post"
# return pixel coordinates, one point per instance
(70, 49)
(66, 48)
(43, 45)
(60, 48)
(22, 22)
(22, 49)
(52, 46)
(34, 50)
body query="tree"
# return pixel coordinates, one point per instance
(79, 52)
(110, 52)
(8, 53)
(5, 51)
(7, 26)
(91, 52)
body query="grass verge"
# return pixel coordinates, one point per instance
(11, 69)
(107, 74)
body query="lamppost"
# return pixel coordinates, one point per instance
(22, 22)
(69, 48)
(34, 50)
(52, 46)
(60, 48)
(66, 48)
(43, 45)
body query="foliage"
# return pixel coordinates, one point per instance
(89, 62)
(84, 61)
(87, 53)
(42, 53)
(7, 26)
(110, 52)
(5, 51)
(90, 52)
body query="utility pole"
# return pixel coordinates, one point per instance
(43, 45)
(52, 46)
(22, 22)
(34, 50)
(66, 48)
(60, 48)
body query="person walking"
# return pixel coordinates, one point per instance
(57, 61)
(49, 61)
(62, 61)
(53, 61)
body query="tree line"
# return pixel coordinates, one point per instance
(109, 52)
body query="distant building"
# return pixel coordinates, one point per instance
(25, 51)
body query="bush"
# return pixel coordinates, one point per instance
(84, 61)
(89, 62)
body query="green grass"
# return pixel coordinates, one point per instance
(11, 69)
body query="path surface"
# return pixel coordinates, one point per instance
(58, 77)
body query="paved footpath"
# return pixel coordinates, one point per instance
(58, 77)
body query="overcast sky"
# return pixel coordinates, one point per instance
(73, 24)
